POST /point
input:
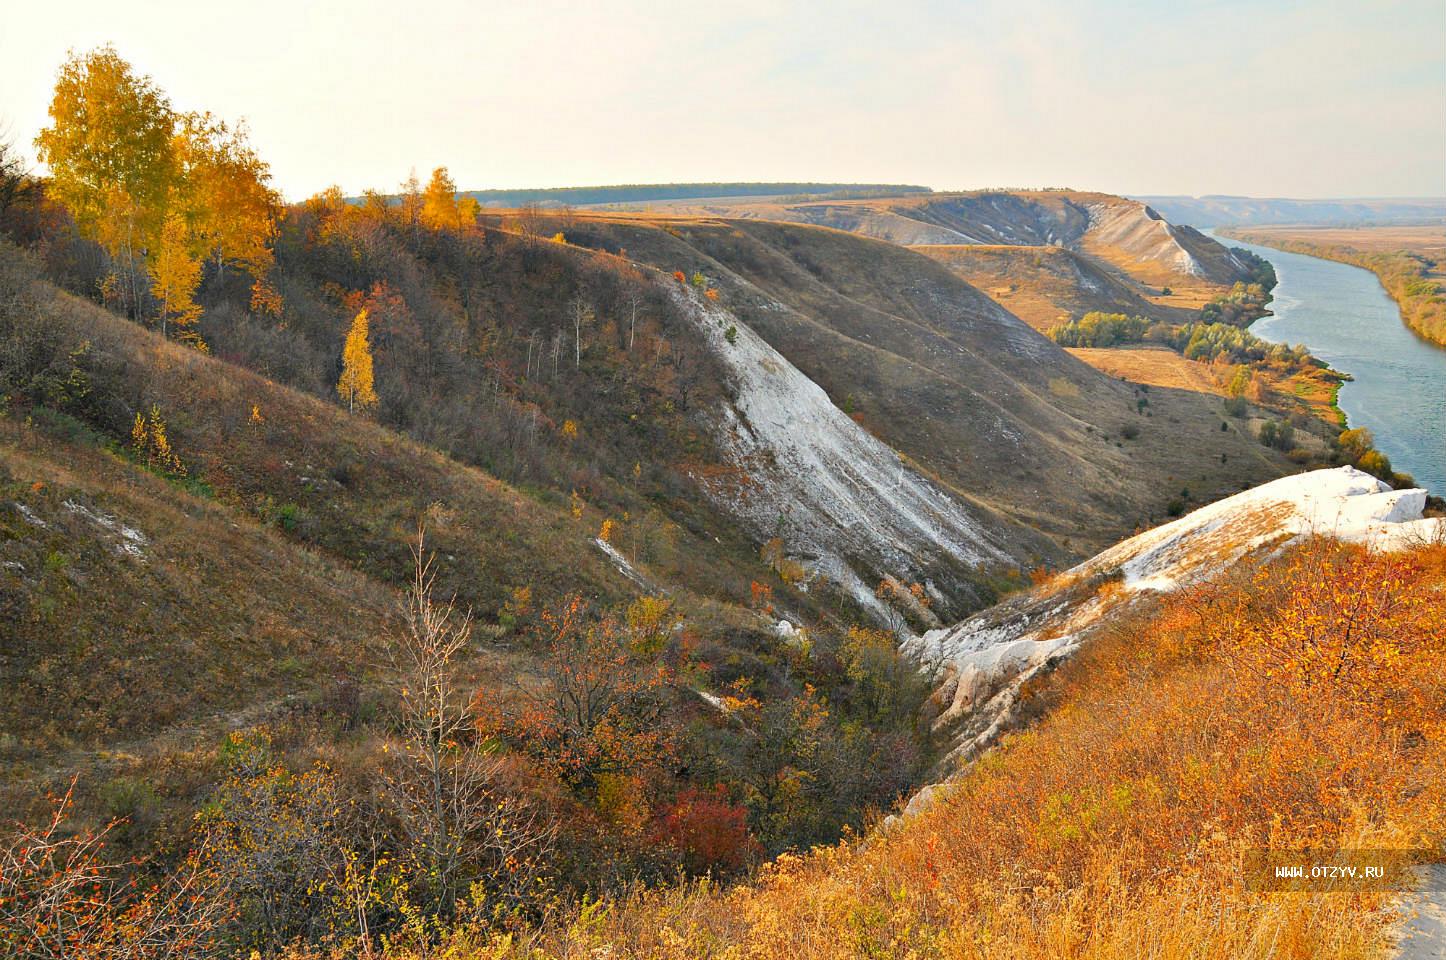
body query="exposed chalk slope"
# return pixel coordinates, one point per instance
(982, 661)
(844, 502)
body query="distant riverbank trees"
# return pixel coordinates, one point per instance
(1404, 275)
(1203, 341)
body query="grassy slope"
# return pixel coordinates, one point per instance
(213, 616)
(928, 364)
(1125, 832)
(1045, 286)
(266, 574)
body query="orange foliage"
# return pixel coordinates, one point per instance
(599, 706)
(60, 897)
(1299, 704)
(710, 832)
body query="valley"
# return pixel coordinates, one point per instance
(701, 569)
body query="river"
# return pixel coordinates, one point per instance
(1341, 313)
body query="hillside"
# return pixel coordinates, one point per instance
(1259, 678)
(147, 599)
(973, 397)
(1048, 285)
(985, 661)
(1125, 234)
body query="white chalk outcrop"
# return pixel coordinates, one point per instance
(843, 501)
(981, 664)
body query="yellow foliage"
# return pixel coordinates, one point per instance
(109, 150)
(175, 274)
(620, 801)
(606, 533)
(650, 621)
(151, 445)
(569, 429)
(355, 385)
(439, 202)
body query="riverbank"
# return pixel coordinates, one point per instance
(1406, 260)
(1344, 317)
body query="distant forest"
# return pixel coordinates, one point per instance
(647, 192)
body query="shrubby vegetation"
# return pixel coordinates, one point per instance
(1212, 342)
(1097, 329)
(380, 805)
(1294, 703)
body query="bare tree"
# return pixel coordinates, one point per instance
(446, 788)
(531, 221)
(635, 300)
(15, 180)
(580, 311)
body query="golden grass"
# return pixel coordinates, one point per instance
(1119, 827)
(1155, 366)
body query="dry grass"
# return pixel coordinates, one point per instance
(1119, 826)
(1156, 366)
(1307, 389)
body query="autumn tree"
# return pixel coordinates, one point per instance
(110, 152)
(355, 385)
(599, 707)
(146, 183)
(175, 274)
(439, 202)
(468, 209)
(230, 206)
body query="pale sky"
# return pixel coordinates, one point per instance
(1331, 98)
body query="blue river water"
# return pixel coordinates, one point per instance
(1343, 315)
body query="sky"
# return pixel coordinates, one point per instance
(1330, 98)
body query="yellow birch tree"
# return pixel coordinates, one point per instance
(355, 385)
(175, 274)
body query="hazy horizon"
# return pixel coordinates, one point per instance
(1269, 100)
